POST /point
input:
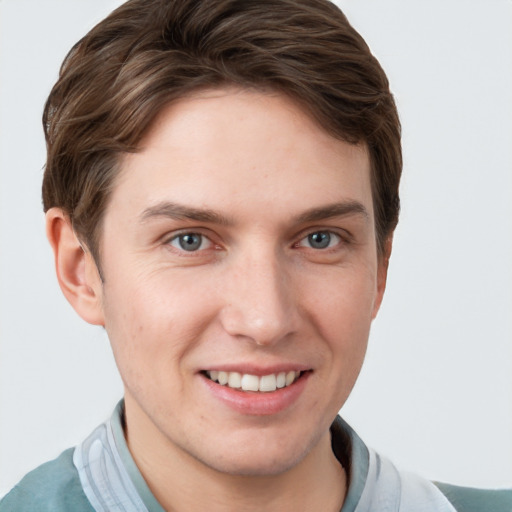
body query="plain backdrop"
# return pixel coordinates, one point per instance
(435, 394)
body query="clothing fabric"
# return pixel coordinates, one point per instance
(52, 487)
(99, 475)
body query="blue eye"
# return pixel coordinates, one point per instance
(190, 242)
(320, 240)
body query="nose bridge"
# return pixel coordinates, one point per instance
(259, 302)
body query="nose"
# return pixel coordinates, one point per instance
(259, 301)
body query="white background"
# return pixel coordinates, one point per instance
(436, 392)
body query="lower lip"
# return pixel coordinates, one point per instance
(258, 403)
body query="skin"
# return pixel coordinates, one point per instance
(256, 294)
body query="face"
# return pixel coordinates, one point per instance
(238, 249)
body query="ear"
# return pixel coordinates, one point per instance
(76, 269)
(382, 274)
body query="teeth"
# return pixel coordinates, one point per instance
(234, 380)
(290, 377)
(250, 382)
(247, 382)
(268, 383)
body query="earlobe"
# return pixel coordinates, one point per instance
(76, 270)
(382, 275)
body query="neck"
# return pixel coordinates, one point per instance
(181, 482)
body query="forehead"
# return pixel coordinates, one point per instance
(229, 148)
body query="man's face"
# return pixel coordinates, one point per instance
(239, 244)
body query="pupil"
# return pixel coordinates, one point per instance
(320, 240)
(190, 242)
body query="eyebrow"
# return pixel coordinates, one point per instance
(177, 211)
(343, 209)
(181, 212)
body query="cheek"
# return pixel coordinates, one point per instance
(144, 344)
(152, 320)
(342, 312)
(344, 301)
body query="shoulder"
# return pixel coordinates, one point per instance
(54, 486)
(467, 499)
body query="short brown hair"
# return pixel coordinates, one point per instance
(148, 53)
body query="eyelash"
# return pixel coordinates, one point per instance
(329, 235)
(181, 236)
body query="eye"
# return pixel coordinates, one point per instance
(190, 242)
(320, 240)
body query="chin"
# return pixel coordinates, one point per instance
(259, 456)
(257, 466)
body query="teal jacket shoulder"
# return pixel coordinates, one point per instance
(467, 499)
(53, 486)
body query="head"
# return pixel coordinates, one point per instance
(231, 170)
(146, 55)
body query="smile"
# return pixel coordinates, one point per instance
(247, 382)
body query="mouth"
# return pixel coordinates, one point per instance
(247, 382)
